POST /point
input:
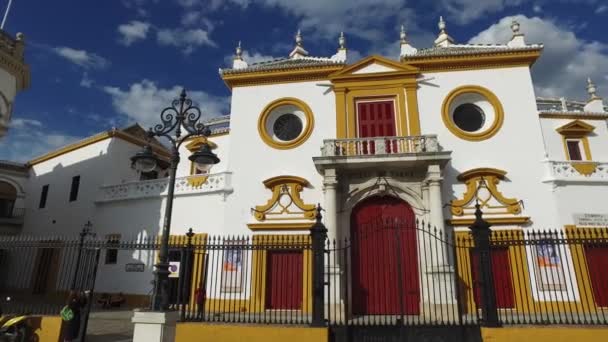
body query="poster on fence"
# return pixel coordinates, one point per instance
(549, 267)
(232, 269)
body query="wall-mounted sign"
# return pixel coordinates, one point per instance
(586, 219)
(134, 267)
(174, 269)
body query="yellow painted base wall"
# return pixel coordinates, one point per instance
(46, 328)
(545, 334)
(187, 332)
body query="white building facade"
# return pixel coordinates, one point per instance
(419, 139)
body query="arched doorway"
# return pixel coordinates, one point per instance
(8, 195)
(384, 258)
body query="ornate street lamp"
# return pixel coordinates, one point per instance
(181, 115)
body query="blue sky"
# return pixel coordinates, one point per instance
(99, 64)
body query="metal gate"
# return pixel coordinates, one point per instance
(393, 280)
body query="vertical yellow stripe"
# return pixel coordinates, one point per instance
(411, 92)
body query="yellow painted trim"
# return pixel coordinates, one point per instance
(258, 288)
(293, 186)
(585, 169)
(490, 60)
(579, 261)
(92, 140)
(478, 136)
(196, 143)
(552, 333)
(280, 76)
(396, 94)
(492, 178)
(349, 72)
(197, 181)
(575, 128)
(280, 226)
(495, 221)
(573, 116)
(286, 101)
(188, 332)
(399, 85)
(411, 94)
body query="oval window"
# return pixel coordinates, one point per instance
(287, 127)
(469, 117)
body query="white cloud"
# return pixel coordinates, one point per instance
(601, 9)
(463, 11)
(86, 82)
(133, 31)
(188, 39)
(143, 101)
(566, 61)
(17, 144)
(21, 123)
(82, 58)
(537, 9)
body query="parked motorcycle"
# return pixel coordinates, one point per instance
(14, 328)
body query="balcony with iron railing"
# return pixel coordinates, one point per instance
(216, 183)
(11, 220)
(577, 171)
(389, 151)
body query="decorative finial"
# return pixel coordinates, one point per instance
(182, 95)
(342, 41)
(239, 52)
(441, 24)
(299, 38)
(403, 35)
(515, 27)
(591, 89)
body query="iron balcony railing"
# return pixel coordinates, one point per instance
(15, 213)
(380, 146)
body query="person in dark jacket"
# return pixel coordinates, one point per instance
(76, 302)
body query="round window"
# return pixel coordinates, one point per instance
(469, 117)
(287, 127)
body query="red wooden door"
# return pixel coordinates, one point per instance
(376, 119)
(284, 280)
(385, 258)
(501, 270)
(597, 263)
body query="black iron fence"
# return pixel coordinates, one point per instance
(387, 274)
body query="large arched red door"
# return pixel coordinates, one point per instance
(384, 258)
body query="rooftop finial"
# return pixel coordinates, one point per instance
(591, 89)
(444, 39)
(239, 62)
(342, 41)
(239, 52)
(406, 48)
(298, 51)
(299, 38)
(441, 24)
(515, 27)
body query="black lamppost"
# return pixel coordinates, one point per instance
(181, 115)
(86, 231)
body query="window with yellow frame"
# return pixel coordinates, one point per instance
(576, 145)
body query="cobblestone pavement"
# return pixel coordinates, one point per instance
(110, 326)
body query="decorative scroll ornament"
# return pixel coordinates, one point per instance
(285, 203)
(482, 187)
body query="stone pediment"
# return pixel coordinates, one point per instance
(374, 66)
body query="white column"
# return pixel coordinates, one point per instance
(440, 275)
(330, 186)
(433, 178)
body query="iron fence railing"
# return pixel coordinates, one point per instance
(385, 274)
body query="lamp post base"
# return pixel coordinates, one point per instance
(153, 326)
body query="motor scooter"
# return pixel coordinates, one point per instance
(13, 328)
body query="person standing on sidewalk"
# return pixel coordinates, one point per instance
(71, 314)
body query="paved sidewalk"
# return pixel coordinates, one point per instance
(110, 326)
